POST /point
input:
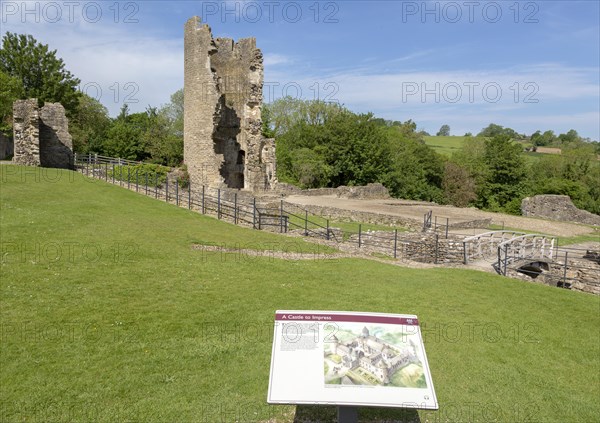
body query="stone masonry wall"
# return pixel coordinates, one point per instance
(56, 144)
(26, 130)
(557, 207)
(41, 136)
(223, 142)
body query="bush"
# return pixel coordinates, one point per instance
(156, 174)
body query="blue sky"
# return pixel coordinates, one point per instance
(527, 65)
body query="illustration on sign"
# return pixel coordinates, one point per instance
(374, 355)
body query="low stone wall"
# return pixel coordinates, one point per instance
(342, 215)
(432, 248)
(581, 275)
(374, 191)
(471, 224)
(557, 207)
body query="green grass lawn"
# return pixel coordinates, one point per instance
(107, 314)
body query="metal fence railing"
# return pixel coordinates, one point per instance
(500, 248)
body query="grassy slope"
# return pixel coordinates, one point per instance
(163, 333)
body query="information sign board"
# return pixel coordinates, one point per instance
(349, 359)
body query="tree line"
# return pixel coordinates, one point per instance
(319, 144)
(326, 145)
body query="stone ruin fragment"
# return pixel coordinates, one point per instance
(223, 142)
(41, 135)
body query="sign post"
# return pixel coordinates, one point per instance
(349, 359)
(347, 414)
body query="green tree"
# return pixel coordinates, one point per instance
(444, 131)
(570, 137)
(506, 176)
(173, 112)
(415, 170)
(124, 137)
(161, 139)
(576, 173)
(267, 124)
(42, 74)
(493, 130)
(88, 125)
(11, 89)
(347, 149)
(286, 112)
(459, 187)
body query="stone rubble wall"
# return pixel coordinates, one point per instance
(557, 207)
(223, 142)
(26, 130)
(583, 275)
(374, 191)
(56, 144)
(41, 135)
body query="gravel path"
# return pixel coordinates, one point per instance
(416, 209)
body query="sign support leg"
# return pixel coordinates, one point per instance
(347, 414)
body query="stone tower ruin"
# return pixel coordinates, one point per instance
(41, 135)
(223, 141)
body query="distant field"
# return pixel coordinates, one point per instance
(445, 145)
(448, 145)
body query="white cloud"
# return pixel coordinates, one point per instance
(276, 59)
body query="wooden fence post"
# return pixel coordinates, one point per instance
(395, 242)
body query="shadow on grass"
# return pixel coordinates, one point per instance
(328, 414)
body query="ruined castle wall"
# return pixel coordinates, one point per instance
(26, 130)
(41, 136)
(201, 103)
(56, 144)
(223, 142)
